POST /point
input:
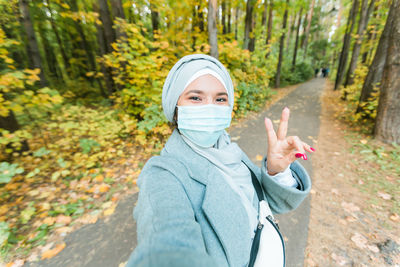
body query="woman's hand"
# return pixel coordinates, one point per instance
(282, 150)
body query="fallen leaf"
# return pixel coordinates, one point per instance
(87, 218)
(49, 220)
(373, 248)
(338, 259)
(359, 240)
(53, 252)
(64, 229)
(109, 211)
(17, 263)
(104, 188)
(259, 157)
(350, 207)
(351, 219)
(394, 217)
(335, 191)
(363, 141)
(99, 178)
(384, 195)
(63, 219)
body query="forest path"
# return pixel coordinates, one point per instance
(110, 241)
(305, 109)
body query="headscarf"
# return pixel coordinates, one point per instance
(182, 72)
(225, 155)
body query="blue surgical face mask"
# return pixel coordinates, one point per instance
(203, 124)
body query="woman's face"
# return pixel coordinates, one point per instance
(203, 91)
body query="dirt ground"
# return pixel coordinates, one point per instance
(349, 225)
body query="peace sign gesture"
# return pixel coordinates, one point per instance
(282, 150)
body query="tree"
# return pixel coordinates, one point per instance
(296, 44)
(387, 126)
(212, 28)
(32, 45)
(374, 76)
(105, 17)
(249, 25)
(281, 45)
(362, 23)
(269, 25)
(307, 31)
(346, 45)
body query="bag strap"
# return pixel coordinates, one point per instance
(256, 184)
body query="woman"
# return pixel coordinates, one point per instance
(197, 205)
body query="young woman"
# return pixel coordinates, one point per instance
(197, 203)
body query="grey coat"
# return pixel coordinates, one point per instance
(187, 215)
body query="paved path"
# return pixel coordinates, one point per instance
(109, 242)
(305, 108)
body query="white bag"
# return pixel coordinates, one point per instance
(268, 248)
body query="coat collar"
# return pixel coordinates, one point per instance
(221, 204)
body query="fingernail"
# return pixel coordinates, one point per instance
(298, 155)
(304, 156)
(313, 150)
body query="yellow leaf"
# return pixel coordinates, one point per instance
(109, 211)
(52, 252)
(259, 157)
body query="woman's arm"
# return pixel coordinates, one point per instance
(168, 234)
(282, 198)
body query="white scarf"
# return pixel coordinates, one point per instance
(227, 157)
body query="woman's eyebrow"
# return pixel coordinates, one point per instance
(194, 91)
(222, 93)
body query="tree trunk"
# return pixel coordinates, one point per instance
(105, 17)
(270, 21)
(212, 28)
(281, 46)
(49, 52)
(32, 45)
(296, 44)
(155, 19)
(229, 17)
(223, 7)
(237, 10)
(362, 23)
(346, 45)
(374, 76)
(387, 126)
(269, 26)
(248, 26)
(264, 14)
(371, 35)
(10, 124)
(292, 20)
(118, 12)
(102, 51)
(307, 32)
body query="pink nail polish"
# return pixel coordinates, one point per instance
(298, 155)
(304, 156)
(312, 149)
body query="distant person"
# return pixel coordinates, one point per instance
(323, 72)
(199, 201)
(316, 72)
(326, 72)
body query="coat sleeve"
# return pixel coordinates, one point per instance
(168, 234)
(282, 198)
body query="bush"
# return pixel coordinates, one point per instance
(301, 73)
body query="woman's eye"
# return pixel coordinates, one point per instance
(195, 98)
(221, 100)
